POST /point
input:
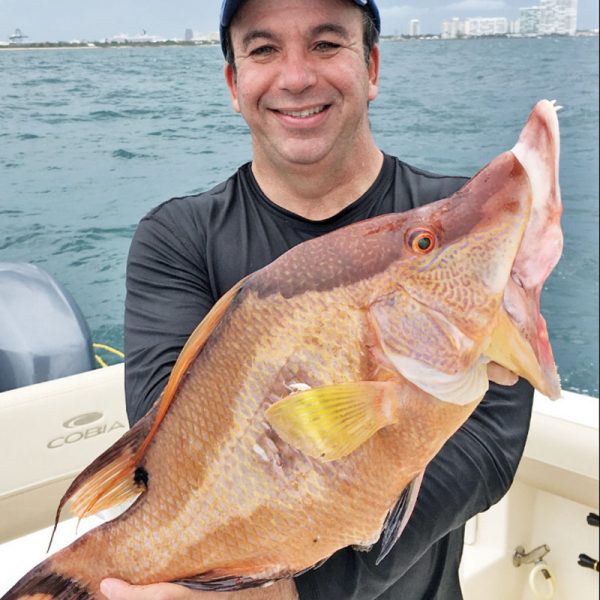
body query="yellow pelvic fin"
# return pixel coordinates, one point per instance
(330, 422)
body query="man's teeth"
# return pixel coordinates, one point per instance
(302, 114)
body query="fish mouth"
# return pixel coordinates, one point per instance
(512, 348)
(520, 339)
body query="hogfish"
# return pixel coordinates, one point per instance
(302, 412)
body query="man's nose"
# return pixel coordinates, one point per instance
(297, 73)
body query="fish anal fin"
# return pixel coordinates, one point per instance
(362, 547)
(217, 581)
(399, 516)
(329, 422)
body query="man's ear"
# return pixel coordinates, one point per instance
(373, 73)
(231, 80)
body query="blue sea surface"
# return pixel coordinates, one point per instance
(90, 140)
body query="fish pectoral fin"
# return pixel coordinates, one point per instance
(329, 422)
(399, 516)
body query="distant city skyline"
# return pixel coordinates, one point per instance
(548, 17)
(67, 20)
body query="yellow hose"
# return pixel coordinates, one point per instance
(100, 361)
(108, 349)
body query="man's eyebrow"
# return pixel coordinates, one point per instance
(256, 34)
(332, 28)
(264, 34)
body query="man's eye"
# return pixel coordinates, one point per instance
(326, 46)
(262, 51)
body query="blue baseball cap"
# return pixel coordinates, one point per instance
(230, 7)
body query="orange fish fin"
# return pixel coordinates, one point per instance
(43, 582)
(110, 479)
(217, 582)
(188, 354)
(399, 516)
(330, 422)
(115, 476)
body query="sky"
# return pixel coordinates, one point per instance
(67, 20)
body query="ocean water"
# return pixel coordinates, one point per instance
(90, 140)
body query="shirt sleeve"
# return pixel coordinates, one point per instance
(168, 294)
(473, 471)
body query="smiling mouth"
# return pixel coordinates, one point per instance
(304, 114)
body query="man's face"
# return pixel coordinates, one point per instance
(301, 81)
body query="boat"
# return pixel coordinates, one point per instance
(543, 523)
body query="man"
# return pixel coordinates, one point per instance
(302, 74)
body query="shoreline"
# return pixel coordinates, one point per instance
(101, 46)
(178, 44)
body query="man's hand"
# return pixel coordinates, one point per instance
(501, 375)
(115, 589)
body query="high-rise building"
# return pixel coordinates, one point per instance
(560, 17)
(452, 29)
(550, 17)
(445, 30)
(189, 35)
(414, 28)
(456, 27)
(481, 26)
(530, 20)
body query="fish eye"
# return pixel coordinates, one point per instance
(421, 241)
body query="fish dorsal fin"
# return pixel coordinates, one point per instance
(116, 476)
(399, 516)
(329, 422)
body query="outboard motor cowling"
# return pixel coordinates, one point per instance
(43, 333)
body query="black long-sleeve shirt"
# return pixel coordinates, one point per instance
(189, 251)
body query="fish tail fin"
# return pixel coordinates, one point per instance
(44, 583)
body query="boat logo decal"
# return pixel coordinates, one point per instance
(81, 420)
(85, 427)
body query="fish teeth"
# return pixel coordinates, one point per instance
(557, 107)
